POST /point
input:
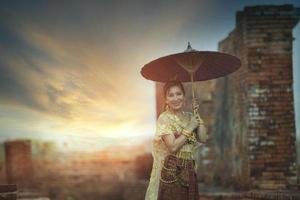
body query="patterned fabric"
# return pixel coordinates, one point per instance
(178, 180)
(167, 123)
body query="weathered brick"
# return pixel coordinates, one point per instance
(263, 111)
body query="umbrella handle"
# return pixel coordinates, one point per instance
(193, 87)
(203, 137)
(195, 102)
(195, 107)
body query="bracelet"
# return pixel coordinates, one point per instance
(186, 136)
(189, 136)
(192, 139)
(186, 133)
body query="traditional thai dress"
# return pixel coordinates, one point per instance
(173, 175)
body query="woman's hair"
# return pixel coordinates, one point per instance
(168, 85)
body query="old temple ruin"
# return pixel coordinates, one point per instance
(255, 126)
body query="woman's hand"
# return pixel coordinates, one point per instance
(193, 123)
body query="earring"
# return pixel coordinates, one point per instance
(167, 107)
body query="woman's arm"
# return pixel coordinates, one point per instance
(172, 143)
(175, 143)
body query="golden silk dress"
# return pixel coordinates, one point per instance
(167, 123)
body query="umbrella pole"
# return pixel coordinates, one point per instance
(202, 137)
(195, 106)
(193, 89)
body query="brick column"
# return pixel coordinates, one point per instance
(259, 125)
(18, 162)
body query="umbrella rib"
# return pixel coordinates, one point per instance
(205, 69)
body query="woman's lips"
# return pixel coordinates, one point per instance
(176, 104)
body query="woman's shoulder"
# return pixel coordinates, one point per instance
(163, 115)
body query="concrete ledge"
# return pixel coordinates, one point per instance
(251, 195)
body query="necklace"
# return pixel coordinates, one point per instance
(179, 118)
(178, 113)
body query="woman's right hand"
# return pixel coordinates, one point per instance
(193, 123)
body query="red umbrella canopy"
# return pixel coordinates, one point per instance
(204, 65)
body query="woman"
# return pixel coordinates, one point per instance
(173, 172)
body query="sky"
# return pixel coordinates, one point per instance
(70, 70)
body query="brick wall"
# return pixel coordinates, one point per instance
(255, 127)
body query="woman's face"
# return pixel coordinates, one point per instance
(175, 98)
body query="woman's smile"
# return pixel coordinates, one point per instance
(176, 104)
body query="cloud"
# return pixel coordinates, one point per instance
(78, 68)
(82, 89)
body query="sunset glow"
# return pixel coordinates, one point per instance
(71, 73)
